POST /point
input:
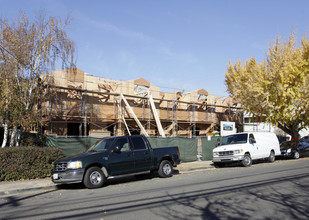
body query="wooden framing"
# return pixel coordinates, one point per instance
(96, 106)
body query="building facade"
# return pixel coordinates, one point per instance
(85, 105)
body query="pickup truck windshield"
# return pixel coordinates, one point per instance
(102, 145)
(234, 139)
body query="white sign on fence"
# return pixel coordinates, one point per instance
(227, 128)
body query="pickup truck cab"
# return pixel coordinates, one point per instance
(116, 157)
(245, 147)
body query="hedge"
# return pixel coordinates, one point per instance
(19, 163)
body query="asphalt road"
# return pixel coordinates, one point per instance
(277, 190)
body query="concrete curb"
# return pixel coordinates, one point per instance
(21, 186)
(196, 169)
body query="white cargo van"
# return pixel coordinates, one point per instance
(245, 147)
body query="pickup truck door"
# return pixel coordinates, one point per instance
(121, 159)
(142, 154)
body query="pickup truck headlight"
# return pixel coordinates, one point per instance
(238, 151)
(215, 153)
(74, 165)
(289, 150)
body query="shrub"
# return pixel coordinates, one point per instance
(31, 139)
(27, 162)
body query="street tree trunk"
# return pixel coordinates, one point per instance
(13, 136)
(18, 137)
(290, 130)
(6, 134)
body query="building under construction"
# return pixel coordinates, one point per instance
(85, 105)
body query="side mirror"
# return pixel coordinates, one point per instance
(116, 149)
(252, 141)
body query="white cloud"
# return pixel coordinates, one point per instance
(112, 28)
(183, 57)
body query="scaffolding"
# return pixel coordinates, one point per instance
(105, 107)
(100, 116)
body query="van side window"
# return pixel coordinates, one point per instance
(138, 143)
(251, 139)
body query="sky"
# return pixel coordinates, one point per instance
(174, 44)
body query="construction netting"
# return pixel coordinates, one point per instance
(187, 146)
(72, 145)
(208, 144)
(190, 148)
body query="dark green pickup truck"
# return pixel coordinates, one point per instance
(116, 157)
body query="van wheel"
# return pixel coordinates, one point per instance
(271, 157)
(165, 169)
(247, 161)
(94, 178)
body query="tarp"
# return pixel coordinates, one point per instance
(187, 146)
(73, 145)
(208, 146)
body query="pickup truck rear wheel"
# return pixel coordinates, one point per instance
(94, 178)
(247, 161)
(165, 169)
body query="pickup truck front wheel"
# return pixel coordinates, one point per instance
(94, 178)
(165, 169)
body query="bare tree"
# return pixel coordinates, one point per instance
(27, 51)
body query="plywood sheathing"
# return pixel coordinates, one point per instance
(75, 75)
(142, 82)
(100, 95)
(202, 92)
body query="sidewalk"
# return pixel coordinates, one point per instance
(14, 187)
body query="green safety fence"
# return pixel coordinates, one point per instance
(208, 144)
(187, 146)
(72, 146)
